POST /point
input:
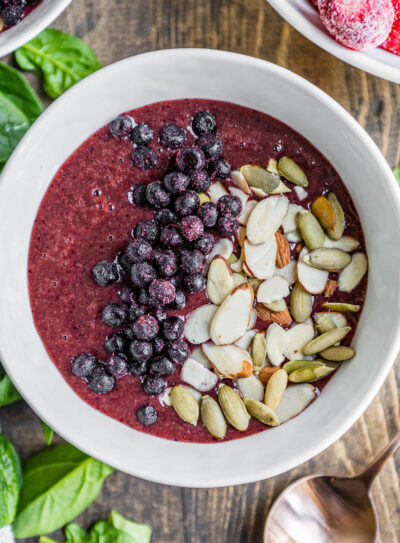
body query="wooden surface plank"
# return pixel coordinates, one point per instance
(123, 28)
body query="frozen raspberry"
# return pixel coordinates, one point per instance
(179, 351)
(172, 136)
(208, 213)
(192, 261)
(200, 181)
(137, 195)
(191, 227)
(166, 263)
(165, 216)
(393, 42)
(205, 244)
(190, 159)
(156, 195)
(187, 203)
(227, 225)
(142, 134)
(145, 328)
(176, 182)
(142, 273)
(204, 123)
(138, 250)
(211, 145)
(357, 24)
(229, 205)
(144, 158)
(162, 291)
(147, 230)
(170, 236)
(121, 126)
(219, 168)
(194, 282)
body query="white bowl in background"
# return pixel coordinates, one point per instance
(188, 73)
(31, 26)
(305, 18)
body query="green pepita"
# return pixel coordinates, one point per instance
(233, 407)
(324, 324)
(312, 374)
(300, 303)
(341, 307)
(294, 365)
(327, 259)
(185, 404)
(291, 171)
(261, 412)
(260, 178)
(336, 232)
(277, 306)
(310, 230)
(258, 351)
(326, 340)
(212, 417)
(338, 354)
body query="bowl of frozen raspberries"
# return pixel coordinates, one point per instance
(363, 33)
(199, 286)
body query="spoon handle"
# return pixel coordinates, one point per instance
(371, 471)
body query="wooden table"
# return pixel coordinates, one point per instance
(121, 28)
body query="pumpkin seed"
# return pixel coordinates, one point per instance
(291, 171)
(310, 230)
(324, 324)
(327, 259)
(338, 354)
(281, 189)
(342, 307)
(336, 232)
(203, 197)
(294, 365)
(254, 283)
(275, 388)
(322, 209)
(260, 178)
(258, 351)
(312, 374)
(212, 417)
(300, 303)
(233, 407)
(277, 306)
(326, 340)
(185, 404)
(261, 412)
(351, 276)
(232, 259)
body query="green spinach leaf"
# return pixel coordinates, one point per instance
(60, 58)
(58, 484)
(8, 393)
(10, 482)
(19, 107)
(396, 172)
(139, 532)
(48, 432)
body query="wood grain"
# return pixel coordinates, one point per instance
(123, 28)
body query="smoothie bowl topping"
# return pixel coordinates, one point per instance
(240, 289)
(13, 11)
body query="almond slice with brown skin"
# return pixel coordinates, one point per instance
(217, 190)
(240, 235)
(233, 316)
(296, 338)
(282, 318)
(251, 387)
(219, 280)
(260, 259)
(289, 223)
(240, 181)
(312, 280)
(352, 274)
(197, 327)
(273, 289)
(276, 343)
(228, 361)
(243, 218)
(266, 372)
(266, 218)
(283, 250)
(294, 400)
(196, 375)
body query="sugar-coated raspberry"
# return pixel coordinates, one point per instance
(392, 44)
(357, 24)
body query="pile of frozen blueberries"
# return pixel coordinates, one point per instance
(12, 11)
(164, 260)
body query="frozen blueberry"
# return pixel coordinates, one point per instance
(101, 381)
(105, 273)
(147, 230)
(205, 244)
(83, 364)
(126, 295)
(128, 333)
(142, 273)
(204, 123)
(146, 415)
(211, 145)
(137, 195)
(180, 300)
(144, 158)
(159, 345)
(194, 282)
(191, 227)
(227, 225)
(172, 136)
(138, 250)
(156, 195)
(166, 263)
(146, 299)
(190, 159)
(114, 315)
(138, 368)
(160, 314)
(162, 291)
(154, 384)
(121, 126)
(176, 182)
(170, 236)
(200, 181)
(219, 167)
(229, 205)
(175, 280)
(192, 261)
(141, 350)
(116, 343)
(135, 311)
(124, 263)
(145, 327)
(142, 134)
(165, 216)
(208, 213)
(162, 366)
(187, 203)
(179, 351)
(172, 328)
(117, 365)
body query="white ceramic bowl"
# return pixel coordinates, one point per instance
(166, 75)
(305, 18)
(31, 26)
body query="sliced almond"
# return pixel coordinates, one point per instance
(251, 387)
(233, 315)
(294, 237)
(240, 181)
(240, 235)
(294, 401)
(282, 318)
(247, 270)
(276, 343)
(311, 279)
(259, 192)
(200, 357)
(327, 259)
(310, 230)
(281, 189)
(291, 171)
(338, 318)
(278, 306)
(289, 272)
(266, 372)
(296, 338)
(219, 280)
(196, 375)
(336, 232)
(283, 250)
(243, 218)
(345, 243)
(217, 190)
(289, 223)
(260, 178)
(352, 275)
(266, 218)
(301, 303)
(253, 319)
(322, 209)
(301, 193)
(273, 166)
(246, 339)
(197, 327)
(228, 361)
(260, 259)
(243, 197)
(238, 279)
(273, 289)
(275, 388)
(223, 247)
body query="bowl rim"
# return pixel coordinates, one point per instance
(43, 15)
(345, 423)
(290, 12)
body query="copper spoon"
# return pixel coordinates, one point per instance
(323, 509)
